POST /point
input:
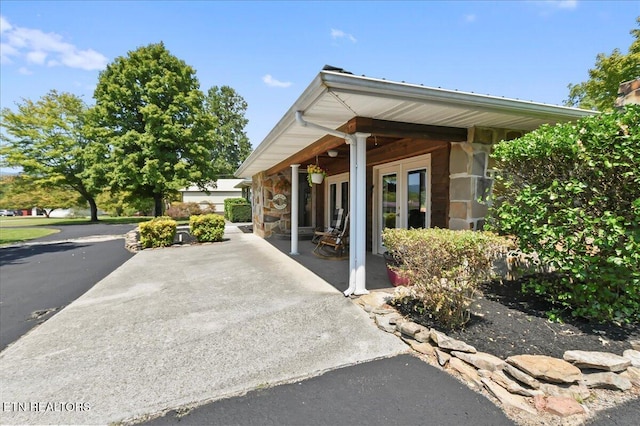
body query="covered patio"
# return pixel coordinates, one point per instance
(396, 155)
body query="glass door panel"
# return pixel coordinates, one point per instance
(389, 201)
(417, 198)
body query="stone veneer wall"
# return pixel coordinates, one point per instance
(470, 176)
(267, 219)
(628, 93)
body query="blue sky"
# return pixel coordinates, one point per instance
(270, 51)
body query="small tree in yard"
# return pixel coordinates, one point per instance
(571, 193)
(48, 140)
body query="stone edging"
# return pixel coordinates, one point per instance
(524, 385)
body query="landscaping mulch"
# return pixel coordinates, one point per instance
(504, 322)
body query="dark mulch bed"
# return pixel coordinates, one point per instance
(505, 322)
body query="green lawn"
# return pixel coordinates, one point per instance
(15, 235)
(14, 221)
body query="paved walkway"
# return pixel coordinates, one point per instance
(180, 326)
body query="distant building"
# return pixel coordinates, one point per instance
(217, 193)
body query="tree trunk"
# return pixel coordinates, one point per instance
(94, 209)
(158, 205)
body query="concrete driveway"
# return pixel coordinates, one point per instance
(182, 326)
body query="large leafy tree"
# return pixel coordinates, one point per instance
(149, 113)
(21, 192)
(601, 90)
(47, 140)
(232, 143)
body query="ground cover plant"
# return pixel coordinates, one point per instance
(571, 194)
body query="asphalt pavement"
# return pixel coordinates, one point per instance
(42, 276)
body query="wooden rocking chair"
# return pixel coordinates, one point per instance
(334, 229)
(334, 246)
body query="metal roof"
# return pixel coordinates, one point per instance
(333, 98)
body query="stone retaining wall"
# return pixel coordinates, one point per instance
(536, 386)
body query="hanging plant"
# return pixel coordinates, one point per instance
(315, 174)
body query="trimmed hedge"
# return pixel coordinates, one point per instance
(207, 228)
(158, 232)
(571, 194)
(237, 210)
(444, 268)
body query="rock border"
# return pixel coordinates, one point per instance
(531, 389)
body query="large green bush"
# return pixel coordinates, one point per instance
(228, 208)
(207, 227)
(571, 194)
(444, 268)
(158, 232)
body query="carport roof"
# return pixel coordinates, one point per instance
(335, 97)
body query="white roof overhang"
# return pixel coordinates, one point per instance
(333, 98)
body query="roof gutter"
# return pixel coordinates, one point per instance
(326, 130)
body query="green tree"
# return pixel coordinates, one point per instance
(232, 143)
(601, 90)
(149, 114)
(47, 140)
(22, 192)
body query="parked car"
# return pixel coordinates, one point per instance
(5, 212)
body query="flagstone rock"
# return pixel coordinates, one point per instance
(507, 399)
(547, 368)
(511, 385)
(445, 342)
(597, 360)
(481, 360)
(563, 406)
(442, 356)
(606, 380)
(635, 344)
(394, 318)
(423, 348)
(375, 299)
(468, 373)
(522, 377)
(384, 322)
(633, 356)
(423, 336)
(576, 391)
(410, 328)
(633, 374)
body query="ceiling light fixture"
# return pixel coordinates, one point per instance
(332, 153)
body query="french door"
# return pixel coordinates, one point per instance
(403, 196)
(337, 196)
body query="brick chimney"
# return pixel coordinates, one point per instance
(628, 93)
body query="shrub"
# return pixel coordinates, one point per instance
(186, 210)
(237, 210)
(228, 202)
(571, 194)
(158, 232)
(444, 268)
(207, 227)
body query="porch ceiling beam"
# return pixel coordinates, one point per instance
(320, 147)
(406, 130)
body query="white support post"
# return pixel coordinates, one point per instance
(357, 214)
(361, 218)
(295, 179)
(352, 217)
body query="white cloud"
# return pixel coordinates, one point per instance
(38, 47)
(272, 82)
(564, 4)
(470, 18)
(4, 25)
(25, 71)
(336, 34)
